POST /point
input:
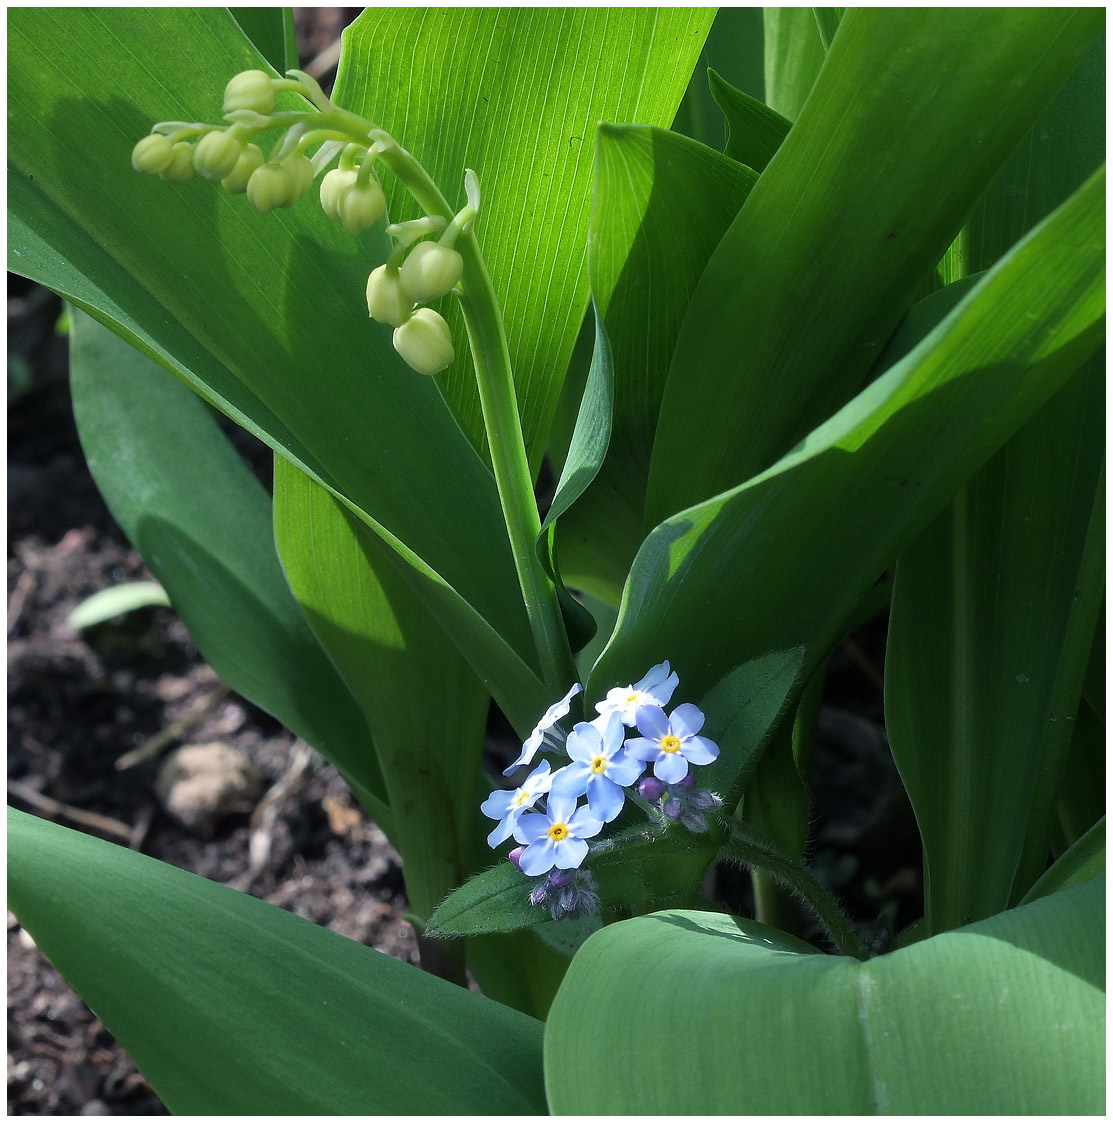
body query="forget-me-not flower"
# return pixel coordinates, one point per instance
(600, 767)
(671, 743)
(508, 807)
(551, 716)
(653, 690)
(555, 837)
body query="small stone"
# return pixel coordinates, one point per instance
(199, 783)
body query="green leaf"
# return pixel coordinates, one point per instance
(230, 1006)
(794, 52)
(202, 523)
(424, 706)
(735, 48)
(827, 22)
(271, 30)
(994, 604)
(267, 316)
(633, 869)
(754, 131)
(1005, 1016)
(661, 204)
(514, 93)
(116, 601)
(738, 576)
(845, 226)
(1085, 859)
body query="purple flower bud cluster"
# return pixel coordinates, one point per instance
(603, 764)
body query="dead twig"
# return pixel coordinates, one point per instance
(55, 807)
(325, 61)
(154, 745)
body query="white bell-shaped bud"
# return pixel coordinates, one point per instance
(269, 187)
(431, 270)
(250, 89)
(361, 206)
(386, 300)
(180, 167)
(152, 154)
(301, 170)
(236, 180)
(216, 154)
(425, 342)
(333, 186)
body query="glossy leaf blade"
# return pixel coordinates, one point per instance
(1005, 1016)
(268, 313)
(661, 204)
(994, 604)
(794, 53)
(754, 131)
(844, 227)
(424, 706)
(1085, 859)
(230, 1006)
(737, 576)
(201, 521)
(515, 94)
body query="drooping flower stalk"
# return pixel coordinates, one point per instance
(397, 292)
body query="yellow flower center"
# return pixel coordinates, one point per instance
(558, 831)
(522, 797)
(599, 764)
(669, 743)
(632, 698)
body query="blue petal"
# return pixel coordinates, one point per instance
(501, 833)
(686, 720)
(560, 808)
(604, 799)
(529, 750)
(570, 852)
(538, 858)
(532, 827)
(610, 736)
(670, 767)
(699, 750)
(584, 824)
(624, 769)
(640, 748)
(497, 804)
(570, 782)
(652, 722)
(583, 742)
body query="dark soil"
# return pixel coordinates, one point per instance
(79, 701)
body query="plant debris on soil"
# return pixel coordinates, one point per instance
(261, 811)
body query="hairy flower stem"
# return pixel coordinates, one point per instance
(750, 849)
(497, 397)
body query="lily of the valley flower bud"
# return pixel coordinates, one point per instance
(430, 271)
(425, 342)
(216, 154)
(361, 206)
(333, 186)
(270, 186)
(180, 167)
(302, 173)
(236, 180)
(386, 300)
(152, 154)
(250, 89)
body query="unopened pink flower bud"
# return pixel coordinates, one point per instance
(651, 789)
(515, 855)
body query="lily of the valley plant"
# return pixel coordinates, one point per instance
(842, 342)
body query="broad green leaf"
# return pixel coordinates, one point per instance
(267, 315)
(202, 523)
(635, 868)
(794, 53)
(994, 604)
(661, 204)
(116, 601)
(272, 32)
(1082, 786)
(827, 22)
(754, 131)
(1085, 859)
(515, 94)
(1006, 1016)
(734, 48)
(782, 561)
(845, 226)
(423, 704)
(230, 1006)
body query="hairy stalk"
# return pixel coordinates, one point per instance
(750, 849)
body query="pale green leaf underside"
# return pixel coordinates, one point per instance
(230, 1006)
